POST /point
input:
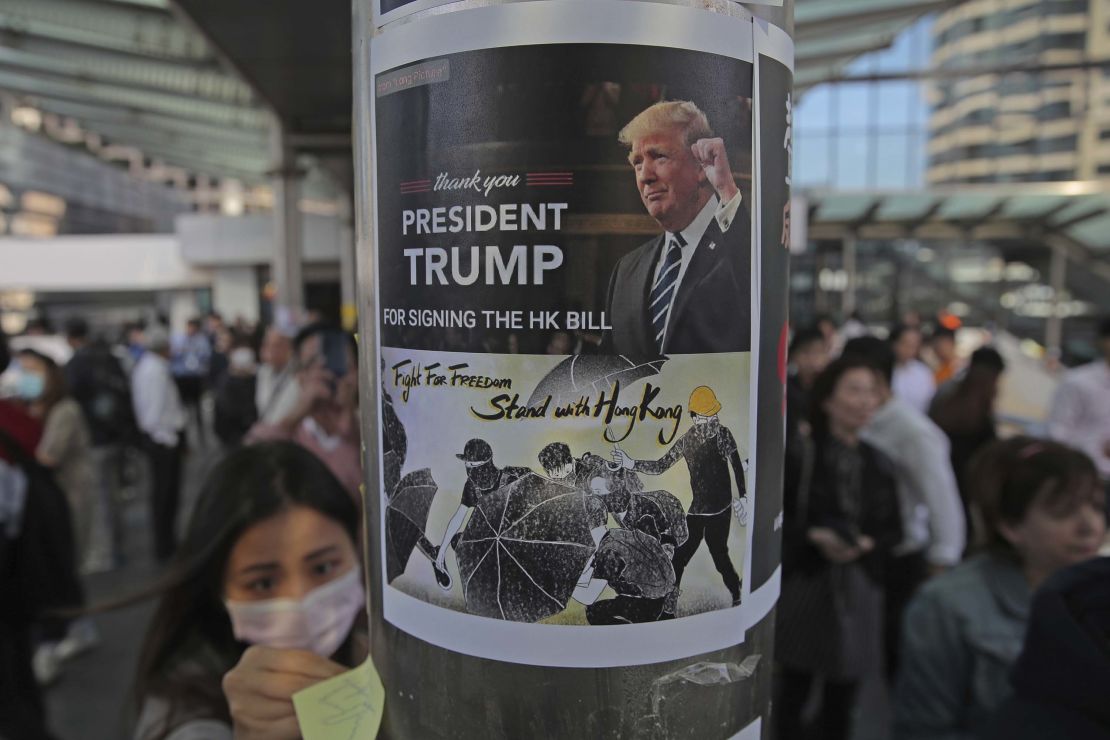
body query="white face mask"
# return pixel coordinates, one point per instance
(319, 622)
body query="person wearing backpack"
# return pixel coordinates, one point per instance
(97, 382)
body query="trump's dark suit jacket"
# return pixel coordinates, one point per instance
(712, 311)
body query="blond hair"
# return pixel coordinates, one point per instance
(664, 115)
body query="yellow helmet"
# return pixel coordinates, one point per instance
(703, 401)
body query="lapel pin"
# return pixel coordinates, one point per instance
(712, 245)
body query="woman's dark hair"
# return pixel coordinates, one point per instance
(1007, 477)
(54, 387)
(970, 405)
(825, 386)
(874, 351)
(191, 625)
(803, 338)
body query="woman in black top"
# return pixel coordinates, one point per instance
(841, 519)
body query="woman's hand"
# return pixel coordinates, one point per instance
(834, 548)
(259, 690)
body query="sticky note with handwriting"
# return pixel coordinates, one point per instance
(347, 707)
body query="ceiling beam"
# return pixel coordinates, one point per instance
(85, 63)
(132, 29)
(822, 17)
(99, 114)
(220, 114)
(214, 152)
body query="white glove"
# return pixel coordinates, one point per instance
(740, 509)
(621, 459)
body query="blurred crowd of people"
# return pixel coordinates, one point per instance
(917, 545)
(269, 557)
(921, 547)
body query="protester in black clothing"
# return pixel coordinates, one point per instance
(841, 519)
(657, 513)
(1061, 678)
(482, 477)
(709, 449)
(561, 466)
(638, 568)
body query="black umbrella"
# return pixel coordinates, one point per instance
(523, 550)
(394, 444)
(634, 564)
(405, 518)
(584, 375)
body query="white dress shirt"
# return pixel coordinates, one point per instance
(1080, 414)
(914, 384)
(158, 409)
(692, 234)
(276, 393)
(932, 515)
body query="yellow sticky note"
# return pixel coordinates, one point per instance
(347, 707)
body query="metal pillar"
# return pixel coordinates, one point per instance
(432, 692)
(848, 306)
(1054, 326)
(348, 281)
(288, 224)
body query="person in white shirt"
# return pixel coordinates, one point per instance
(913, 380)
(277, 391)
(1080, 415)
(933, 526)
(161, 419)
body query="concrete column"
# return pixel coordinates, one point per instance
(235, 293)
(288, 224)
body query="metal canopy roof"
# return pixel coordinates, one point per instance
(1072, 216)
(132, 73)
(194, 82)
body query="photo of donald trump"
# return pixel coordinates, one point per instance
(688, 290)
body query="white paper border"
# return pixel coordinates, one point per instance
(774, 43)
(548, 23)
(380, 19)
(560, 22)
(754, 731)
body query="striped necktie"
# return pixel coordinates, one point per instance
(662, 293)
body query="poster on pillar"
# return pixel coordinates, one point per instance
(386, 11)
(568, 330)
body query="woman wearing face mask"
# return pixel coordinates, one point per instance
(66, 442)
(841, 519)
(65, 449)
(264, 598)
(1041, 508)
